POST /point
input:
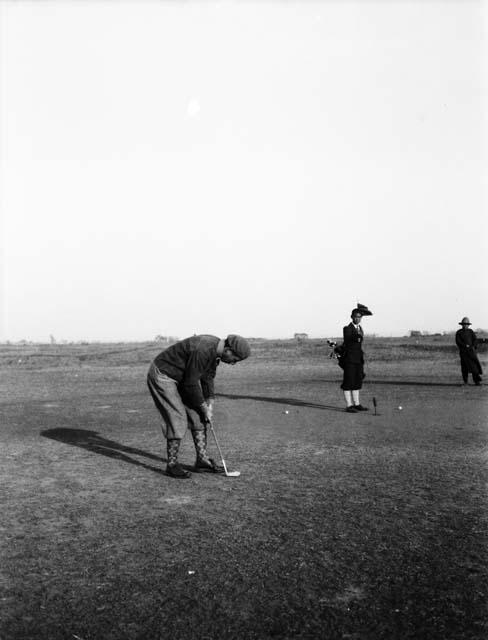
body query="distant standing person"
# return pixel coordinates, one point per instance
(181, 383)
(352, 359)
(467, 342)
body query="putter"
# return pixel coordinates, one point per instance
(374, 403)
(229, 474)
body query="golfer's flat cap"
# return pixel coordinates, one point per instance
(239, 345)
(465, 320)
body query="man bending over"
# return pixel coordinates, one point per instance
(181, 382)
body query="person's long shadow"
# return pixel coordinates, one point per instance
(405, 383)
(94, 442)
(288, 401)
(413, 383)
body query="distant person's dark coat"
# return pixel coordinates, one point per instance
(467, 342)
(352, 360)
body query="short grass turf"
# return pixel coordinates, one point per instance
(340, 526)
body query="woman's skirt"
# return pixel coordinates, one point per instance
(353, 377)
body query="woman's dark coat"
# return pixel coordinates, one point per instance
(352, 359)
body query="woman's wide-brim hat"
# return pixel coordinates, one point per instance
(362, 309)
(465, 320)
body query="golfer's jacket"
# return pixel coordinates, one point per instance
(193, 364)
(353, 338)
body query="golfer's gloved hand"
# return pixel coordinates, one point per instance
(204, 413)
(210, 406)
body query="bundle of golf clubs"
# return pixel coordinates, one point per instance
(337, 350)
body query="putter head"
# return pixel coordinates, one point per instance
(232, 474)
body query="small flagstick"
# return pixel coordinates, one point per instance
(374, 403)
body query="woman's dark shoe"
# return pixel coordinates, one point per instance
(209, 466)
(351, 410)
(359, 407)
(177, 471)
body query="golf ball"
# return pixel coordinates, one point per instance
(400, 408)
(287, 412)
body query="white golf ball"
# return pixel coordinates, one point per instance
(287, 412)
(400, 408)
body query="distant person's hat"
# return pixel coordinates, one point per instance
(465, 320)
(239, 345)
(362, 309)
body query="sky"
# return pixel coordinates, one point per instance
(171, 168)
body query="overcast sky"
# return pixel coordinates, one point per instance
(237, 167)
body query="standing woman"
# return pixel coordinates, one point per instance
(352, 360)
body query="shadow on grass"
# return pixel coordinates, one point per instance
(412, 383)
(288, 401)
(92, 441)
(400, 383)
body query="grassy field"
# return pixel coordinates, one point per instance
(340, 526)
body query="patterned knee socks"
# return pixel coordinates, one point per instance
(200, 441)
(173, 446)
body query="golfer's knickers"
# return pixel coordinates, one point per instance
(176, 417)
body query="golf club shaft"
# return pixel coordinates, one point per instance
(218, 447)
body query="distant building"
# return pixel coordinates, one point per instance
(166, 339)
(415, 334)
(301, 336)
